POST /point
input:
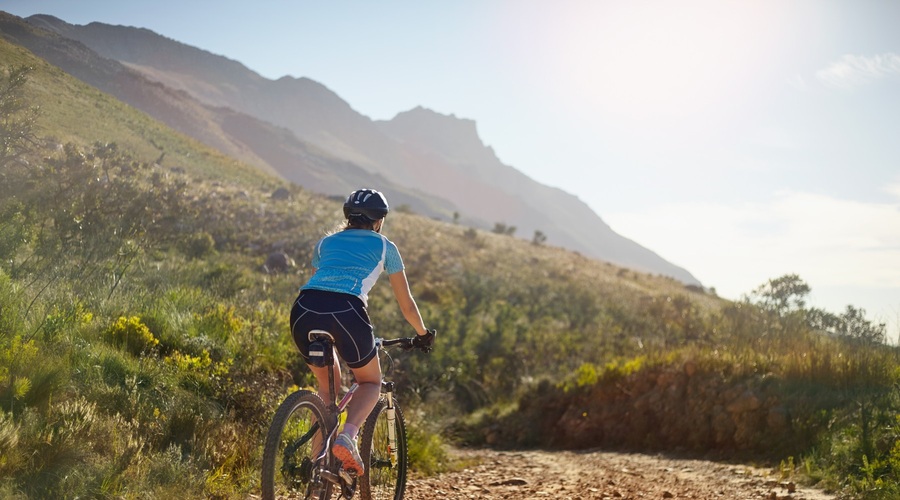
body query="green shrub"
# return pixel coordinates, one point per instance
(586, 375)
(54, 452)
(225, 280)
(427, 452)
(11, 456)
(220, 322)
(25, 378)
(198, 245)
(170, 474)
(131, 334)
(202, 364)
(65, 317)
(10, 308)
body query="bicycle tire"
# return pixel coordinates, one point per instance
(384, 479)
(287, 468)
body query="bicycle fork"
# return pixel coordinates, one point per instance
(388, 390)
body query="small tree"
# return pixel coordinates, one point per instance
(17, 140)
(502, 228)
(853, 324)
(782, 295)
(539, 238)
(17, 117)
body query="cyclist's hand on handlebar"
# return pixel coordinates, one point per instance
(425, 342)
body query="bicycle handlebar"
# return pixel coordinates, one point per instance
(406, 343)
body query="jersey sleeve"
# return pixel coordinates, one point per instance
(317, 254)
(393, 263)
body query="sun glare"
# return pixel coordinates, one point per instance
(660, 60)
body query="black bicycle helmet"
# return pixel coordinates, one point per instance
(367, 202)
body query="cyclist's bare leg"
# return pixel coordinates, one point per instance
(366, 397)
(364, 400)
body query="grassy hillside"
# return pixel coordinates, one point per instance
(74, 112)
(143, 347)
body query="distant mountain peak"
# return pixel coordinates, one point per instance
(49, 23)
(448, 135)
(438, 122)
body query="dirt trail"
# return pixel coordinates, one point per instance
(602, 475)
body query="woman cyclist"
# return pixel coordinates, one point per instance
(347, 264)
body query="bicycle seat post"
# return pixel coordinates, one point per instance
(332, 392)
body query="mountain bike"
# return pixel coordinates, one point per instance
(297, 458)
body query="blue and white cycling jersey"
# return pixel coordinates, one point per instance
(350, 261)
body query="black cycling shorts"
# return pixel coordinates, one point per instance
(343, 316)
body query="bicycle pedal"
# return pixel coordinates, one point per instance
(348, 475)
(348, 483)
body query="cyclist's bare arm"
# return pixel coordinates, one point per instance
(407, 304)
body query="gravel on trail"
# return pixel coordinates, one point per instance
(602, 475)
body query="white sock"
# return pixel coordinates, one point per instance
(350, 430)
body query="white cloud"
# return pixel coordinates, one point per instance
(852, 71)
(893, 189)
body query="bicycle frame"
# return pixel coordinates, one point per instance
(334, 410)
(293, 458)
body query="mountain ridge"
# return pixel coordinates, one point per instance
(467, 175)
(215, 126)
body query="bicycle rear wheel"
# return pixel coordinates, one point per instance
(385, 477)
(296, 435)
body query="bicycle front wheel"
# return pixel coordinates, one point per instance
(383, 448)
(295, 439)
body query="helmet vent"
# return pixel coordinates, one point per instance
(367, 202)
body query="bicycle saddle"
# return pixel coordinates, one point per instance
(316, 334)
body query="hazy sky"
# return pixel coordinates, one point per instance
(742, 140)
